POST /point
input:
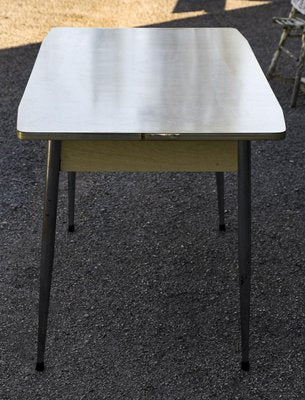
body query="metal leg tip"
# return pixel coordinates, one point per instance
(245, 366)
(71, 228)
(40, 366)
(222, 227)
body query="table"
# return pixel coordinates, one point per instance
(148, 99)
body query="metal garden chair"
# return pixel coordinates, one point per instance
(293, 27)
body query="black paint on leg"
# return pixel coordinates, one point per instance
(39, 366)
(245, 366)
(222, 227)
(71, 228)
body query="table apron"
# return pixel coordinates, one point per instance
(149, 156)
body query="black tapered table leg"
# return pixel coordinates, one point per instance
(244, 244)
(221, 200)
(47, 249)
(71, 200)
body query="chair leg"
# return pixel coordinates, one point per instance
(244, 244)
(220, 197)
(47, 249)
(298, 75)
(71, 200)
(275, 58)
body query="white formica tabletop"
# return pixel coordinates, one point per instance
(148, 83)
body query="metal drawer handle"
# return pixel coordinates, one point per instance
(160, 136)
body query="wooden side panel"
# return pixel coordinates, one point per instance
(149, 156)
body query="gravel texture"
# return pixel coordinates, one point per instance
(145, 298)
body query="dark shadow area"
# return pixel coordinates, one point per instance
(210, 6)
(15, 67)
(145, 292)
(213, 6)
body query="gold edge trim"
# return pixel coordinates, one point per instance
(214, 136)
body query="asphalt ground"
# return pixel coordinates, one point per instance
(145, 301)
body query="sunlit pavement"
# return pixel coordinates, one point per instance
(24, 22)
